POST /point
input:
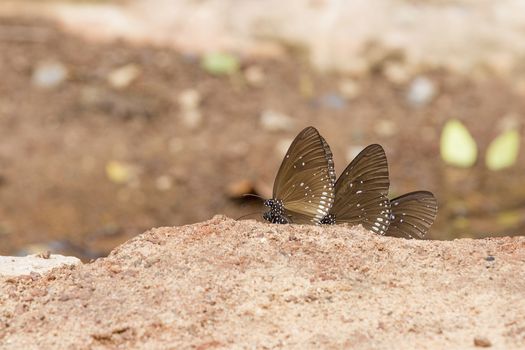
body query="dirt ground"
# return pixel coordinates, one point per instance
(56, 143)
(229, 284)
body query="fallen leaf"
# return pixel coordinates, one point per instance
(118, 172)
(458, 148)
(220, 63)
(503, 150)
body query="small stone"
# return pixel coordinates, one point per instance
(26, 265)
(490, 258)
(122, 77)
(349, 88)
(189, 99)
(332, 101)
(482, 342)
(421, 92)
(164, 183)
(115, 268)
(38, 248)
(385, 127)
(191, 118)
(276, 121)
(49, 75)
(44, 255)
(396, 73)
(254, 76)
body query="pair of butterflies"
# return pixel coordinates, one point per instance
(306, 191)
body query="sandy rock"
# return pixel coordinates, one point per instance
(241, 284)
(38, 263)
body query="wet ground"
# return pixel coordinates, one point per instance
(86, 163)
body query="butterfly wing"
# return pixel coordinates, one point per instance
(368, 171)
(305, 180)
(412, 214)
(361, 191)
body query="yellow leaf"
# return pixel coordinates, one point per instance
(458, 148)
(503, 150)
(118, 172)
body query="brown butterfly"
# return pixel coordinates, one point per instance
(361, 198)
(412, 214)
(303, 191)
(361, 192)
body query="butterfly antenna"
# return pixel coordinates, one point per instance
(242, 217)
(253, 195)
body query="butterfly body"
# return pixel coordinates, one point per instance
(275, 214)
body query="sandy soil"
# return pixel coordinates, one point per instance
(229, 284)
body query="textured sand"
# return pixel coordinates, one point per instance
(228, 284)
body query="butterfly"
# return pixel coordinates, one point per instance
(412, 214)
(361, 198)
(303, 190)
(361, 192)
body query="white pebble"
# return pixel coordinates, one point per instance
(49, 75)
(421, 92)
(123, 76)
(276, 121)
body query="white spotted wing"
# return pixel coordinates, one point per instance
(305, 178)
(361, 191)
(412, 214)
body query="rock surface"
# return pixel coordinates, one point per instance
(25, 265)
(229, 284)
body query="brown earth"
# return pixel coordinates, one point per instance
(241, 284)
(56, 143)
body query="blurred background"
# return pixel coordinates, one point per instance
(118, 116)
